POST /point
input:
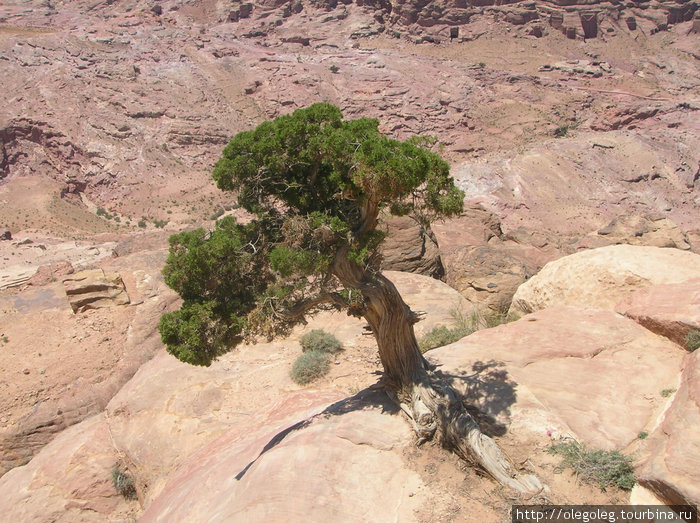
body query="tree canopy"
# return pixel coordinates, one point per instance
(315, 185)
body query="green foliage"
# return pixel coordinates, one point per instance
(604, 467)
(667, 392)
(142, 223)
(218, 213)
(313, 161)
(123, 483)
(315, 184)
(334, 68)
(643, 435)
(310, 366)
(561, 131)
(160, 223)
(320, 341)
(462, 326)
(288, 261)
(366, 246)
(692, 340)
(206, 270)
(440, 336)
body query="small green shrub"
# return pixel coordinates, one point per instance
(142, 223)
(123, 483)
(160, 223)
(310, 366)
(321, 341)
(441, 336)
(561, 131)
(692, 340)
(643, 435)
(334, 69)
(463, 326)
(218, 213)
(482, 64)
(667, 392)
(604, 467)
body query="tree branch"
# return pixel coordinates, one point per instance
(300, 309)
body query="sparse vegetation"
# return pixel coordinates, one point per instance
(692, 340)
(667, 392)
(5, 339)
(321, 341)
(309, 367)
(643, 435)
(123, 483)
(462, 326)
(482, 65)
(334, 68)
(604, 467)
(160, 223)
(142, 223)
(562, 131)
(218, 213)
(441, 336)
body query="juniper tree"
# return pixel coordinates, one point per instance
(315, 185)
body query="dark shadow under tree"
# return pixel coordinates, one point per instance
(315, 184)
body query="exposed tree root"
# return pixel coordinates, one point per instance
(434, 406)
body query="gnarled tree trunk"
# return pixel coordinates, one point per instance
(431, 403)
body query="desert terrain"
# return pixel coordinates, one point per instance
(572, 128)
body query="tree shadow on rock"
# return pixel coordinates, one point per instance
(367, 399)
(487, 393)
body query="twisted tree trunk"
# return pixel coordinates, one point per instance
(431, 403)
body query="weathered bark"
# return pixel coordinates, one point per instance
(431, 404)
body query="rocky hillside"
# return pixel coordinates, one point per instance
(123, 107)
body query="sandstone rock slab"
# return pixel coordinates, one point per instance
(95, 289)
(671, 310)
(299, 460)
(604, 276)
(672, 470)
(593, 373)
(69, 480)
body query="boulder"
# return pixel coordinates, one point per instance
(671, 310)
(587, 373)
(602, 277)
(93, 289)
(50, 273)
(410, 247)
(672, 469)
(5, 235)
(487, 275)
